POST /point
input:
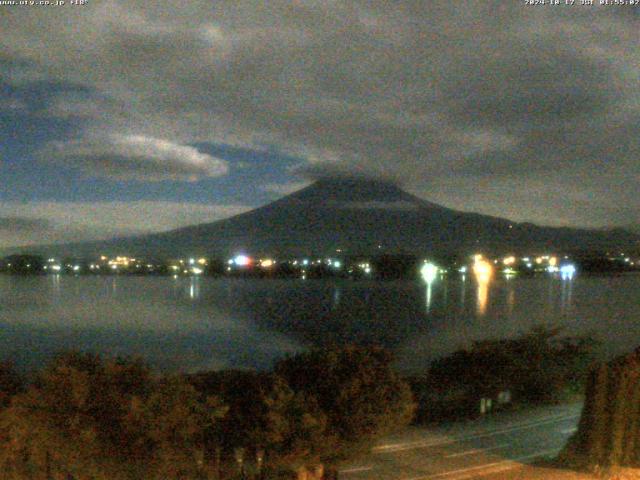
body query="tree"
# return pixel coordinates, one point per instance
(536, 367)
(356, 387)
(176, 419)
(609, 429)
(265, 414)
(70, 419)
(106, 419)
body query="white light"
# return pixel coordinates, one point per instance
(76, 268)
(429, 272)
(197, 271)
(192, 261)
(337, 264)
(242, 260)
(462, 270)
(305, 262)
(567, 271)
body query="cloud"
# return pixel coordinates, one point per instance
(135, 157)
(549, 199)
(79, 105)
(12, 105)
(285, 188)
(422, 93)
(36, 223)
(22, 225)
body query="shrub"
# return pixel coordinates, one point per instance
(356, 387)
(537, 367)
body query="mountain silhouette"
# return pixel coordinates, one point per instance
(356, 216)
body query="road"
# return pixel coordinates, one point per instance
(474, 449)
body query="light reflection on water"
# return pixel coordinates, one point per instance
(196, 323)
(429, 293)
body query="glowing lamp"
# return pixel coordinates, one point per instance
(567, 271)
(509, 260)
(483, 270)
(242, 260)
(429, 272)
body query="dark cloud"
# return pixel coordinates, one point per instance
(37, 223)
(424, 92)
(21, 225)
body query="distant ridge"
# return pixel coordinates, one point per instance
(355, 216)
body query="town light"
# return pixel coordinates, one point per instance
(429, 272)
(242, 260)
(567, 271)
(482, 269)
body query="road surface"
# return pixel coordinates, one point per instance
(474, 449)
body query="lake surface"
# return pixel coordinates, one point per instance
(188, 324)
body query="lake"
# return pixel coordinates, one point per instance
(189, 324)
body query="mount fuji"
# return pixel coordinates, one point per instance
(354, 216)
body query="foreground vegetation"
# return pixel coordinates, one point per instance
(540, 367)
(87, 417)
(608, 434)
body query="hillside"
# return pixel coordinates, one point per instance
(354, 216)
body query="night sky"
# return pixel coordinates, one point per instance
(124, 117)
